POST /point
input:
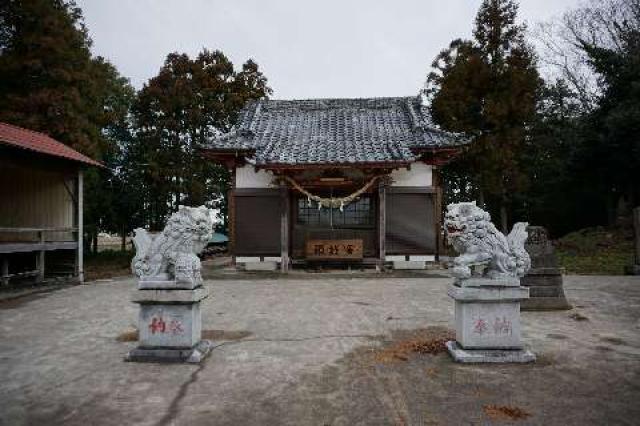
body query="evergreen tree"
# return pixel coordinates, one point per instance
(488, 88)
(614, 146)
(185, 105)
(49, 82)
(595, 147)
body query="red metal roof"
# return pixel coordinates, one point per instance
(39, 142)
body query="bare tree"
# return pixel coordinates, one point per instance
(563, 41)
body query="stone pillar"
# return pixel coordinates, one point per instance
(544, 279)
(169, 324)
(487, 313)
(634, 269)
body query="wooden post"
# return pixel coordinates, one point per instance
(437, 183)
(231, 215)
(284, 228)
(636, 229)
(80, 233)
(382, 224)
(5, 270)
(40, 260)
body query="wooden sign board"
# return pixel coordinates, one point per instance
(334, 249)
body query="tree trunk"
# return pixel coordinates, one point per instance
(503, 217)
(123, 241)
(612, 201)
(481, 198)
(94, 241)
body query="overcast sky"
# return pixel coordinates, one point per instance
(307, 49)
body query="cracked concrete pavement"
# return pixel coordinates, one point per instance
(296, 352)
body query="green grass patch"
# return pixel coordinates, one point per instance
(596, 251)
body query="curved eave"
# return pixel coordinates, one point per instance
(343, 165)
(437, 156)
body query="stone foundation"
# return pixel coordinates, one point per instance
(487, 314)
(409, 265)
(170, 325)
(462, 355)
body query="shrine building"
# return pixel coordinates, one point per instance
(335, 181)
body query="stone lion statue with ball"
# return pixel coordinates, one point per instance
(172, 254)
(479, 243)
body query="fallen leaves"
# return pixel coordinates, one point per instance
(128, 336)
(578, 316)
(401, 350)
(505, 412)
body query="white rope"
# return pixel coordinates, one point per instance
(331, 202)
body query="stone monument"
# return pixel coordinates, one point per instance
(487, 289)
(634, 269)
(544, 279)
(170, 288)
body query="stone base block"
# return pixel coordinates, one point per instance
(169, 326)
(169, 318)
(482, 282)
(189, 355)
(488, 317)
(171, 297)
(168, 285)
(478, 356)
(261, 266)
(409, 264)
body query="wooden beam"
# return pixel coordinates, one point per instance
(284, 228)
(382, 224)
(412, 189)
(227, 158)
(37, 246)
(12, 230)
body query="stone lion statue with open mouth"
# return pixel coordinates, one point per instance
(471, 233)
(172, 254)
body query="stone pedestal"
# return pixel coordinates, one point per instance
(544, 279)
(487, 313)
(169, 324)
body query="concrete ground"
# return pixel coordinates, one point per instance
(299, 352)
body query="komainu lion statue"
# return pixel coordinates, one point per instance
(172, 254)
(479, 243)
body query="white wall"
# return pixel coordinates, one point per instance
(247, 177)
(419, 175)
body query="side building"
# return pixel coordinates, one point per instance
(41, 219)
(335, 180)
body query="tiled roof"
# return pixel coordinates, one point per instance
(335, 131)
(39, 142)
